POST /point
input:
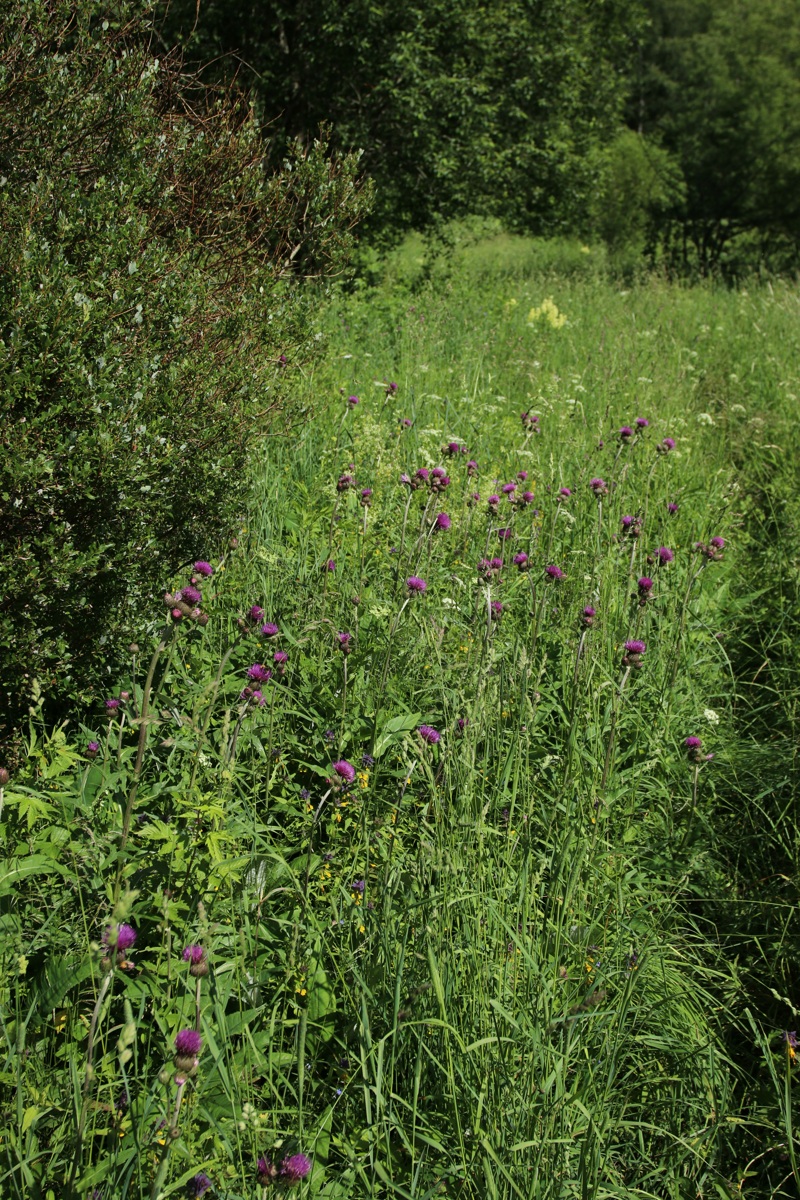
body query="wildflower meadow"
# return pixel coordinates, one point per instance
(420, 848)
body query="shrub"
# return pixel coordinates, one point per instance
(150, 318)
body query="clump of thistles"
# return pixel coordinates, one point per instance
(694, 749)
(645, 586)
(712, 551)
(195, 956)
(634, 653)
(188, 1045)
(184, 604)
(631, 526)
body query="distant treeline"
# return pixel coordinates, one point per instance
(665, 127)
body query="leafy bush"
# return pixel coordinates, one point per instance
(149, 319)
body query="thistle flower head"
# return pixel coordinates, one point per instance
(554, 572)
(528, 498)
(190, 595)
(672, 507)
(598, 486)
(188, 1043)
(626, 432)
(718, 543)
(522, 475)
(442, 522)
(255, 612)
(520, 560)
(496, 564)
(508, 489)
(204, 568)
(293, 1170)
(269, 629)
(429, 734)
(122, 938)
(692, 743)
(565, 492)
(193, 954)
(635, 646)
(645, 584)
(496, 609)
(642, 422)
(352, 401)
(280, 657)
(415, 585)
(345, 770)
(198, 1185)
(112, 704)
(493, 500)
(472, 467)
(259, 673)
(664, 554)
(505, 534)
(92, 749)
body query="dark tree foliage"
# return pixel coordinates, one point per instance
(717, 84)
(147, 296)
(460, 107)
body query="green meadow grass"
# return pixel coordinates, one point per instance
(493, 966)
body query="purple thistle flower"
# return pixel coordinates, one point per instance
(493, 501)
(259, 673)
(280, 657)
(472, 467)
(645, 584)
(642, 422)
(255, 612)
(666, 445)
(352, 401)
(204, 568)
(442, 522)
(598, 486)
(366, 495)
(416, 585)
(438, 473)
(718, 543)
(193, 954)
(626, 432)
(424, 474)
(269, 629)
(122, 938)
(190, 595)
(520, 560)
(664, 554)
(112, 705)
(345, 770)
(634, 646)
(554, 572)
(429, 734)
(406, 422)
(452, 448)
(345, 482)
(671, 507)
(92, 749)
(589, 614)
(693, 743)
(496, 564)
(344, 640)
(198, 1185)
(188, 1043)
(522, 475)
(528, 498)
(405, 478)
(293, 1170)
(496, 609)
(391, 388)
(462, 724)
(508, 489)
(331, 565)
(505, 534)
(565, 492)
(627, 522)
